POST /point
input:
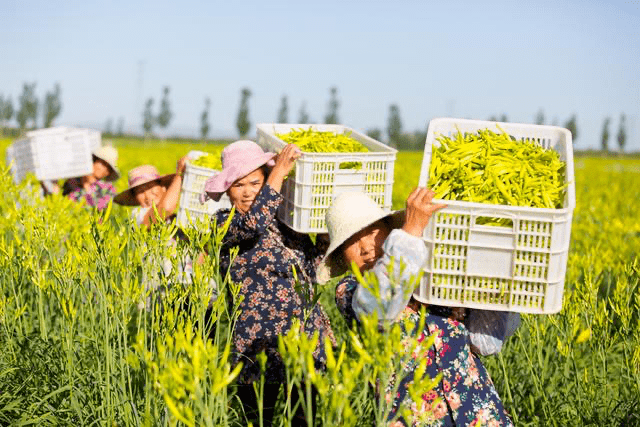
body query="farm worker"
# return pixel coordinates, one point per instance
(362, 233)
(147, 188)
(270, 257)
(96, 188)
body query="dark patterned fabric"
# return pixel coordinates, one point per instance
(269, 254)
(466, 395)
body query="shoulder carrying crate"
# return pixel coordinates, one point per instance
(191, 210)
(319, 177)
(55, 153)
(519, 268)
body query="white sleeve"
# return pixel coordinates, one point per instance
(489, 329)
(395, 291)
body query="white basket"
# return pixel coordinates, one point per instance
(11, 164)
(520, 268)
(318, 178)
(55, 153)
(191, 210)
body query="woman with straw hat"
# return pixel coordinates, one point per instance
(271, 262)
(362, 234)
(96, 188)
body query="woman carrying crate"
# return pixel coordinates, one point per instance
(148, 189)
(271, 260)
(362, 233)
(96, 188)
(155, 198)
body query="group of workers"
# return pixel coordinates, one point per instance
(273, 259)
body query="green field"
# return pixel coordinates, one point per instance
(82, 344)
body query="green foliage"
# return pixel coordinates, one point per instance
(204, 119)
(120, 129)
(52, 106)
(303, 115)
(165, 115)
(540, 117)
(332, 109)
(622, 133)
(85, 341)
(6, 110)
(242, 123)
(148, 119)
(605, 134)
(283, 112)
(374, 133)
(394, 125)
(28, 109)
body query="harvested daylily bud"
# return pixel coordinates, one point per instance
(489, 167)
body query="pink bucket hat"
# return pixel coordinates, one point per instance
(140, 176)
(239, 159)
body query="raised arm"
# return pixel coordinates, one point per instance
(406, 250)
(168, 203)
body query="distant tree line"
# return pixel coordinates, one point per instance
(29, 106)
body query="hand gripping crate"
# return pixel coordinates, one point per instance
(319, 177)
(190, 210)
(55, 153)
(520, 268)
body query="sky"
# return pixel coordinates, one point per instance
(464, 59)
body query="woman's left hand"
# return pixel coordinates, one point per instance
(284, 164)
(181, 165)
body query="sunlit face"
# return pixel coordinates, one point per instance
(149, 194)
(101, 169)
(365, 247)
(243, 192)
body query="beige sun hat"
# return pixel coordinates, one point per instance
(140, 176)
(109, 155)
(350, 213)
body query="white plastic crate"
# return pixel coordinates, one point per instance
(519, 268)
(56, 153)
(319, 179)
(11, 164)
(190, 210)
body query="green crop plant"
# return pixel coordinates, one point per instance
(91, 331)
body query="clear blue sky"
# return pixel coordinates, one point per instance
(462, 59)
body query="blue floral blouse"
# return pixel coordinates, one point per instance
(269, 252)
(466, 395)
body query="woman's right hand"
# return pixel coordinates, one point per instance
(419, 211)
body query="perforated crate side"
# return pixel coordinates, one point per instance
(319, 179)
(190, 210)
(518, 268)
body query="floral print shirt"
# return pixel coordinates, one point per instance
(269, 252)
(98, 195)
(466, 394)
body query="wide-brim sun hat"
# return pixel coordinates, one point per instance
(239, 159)
(351, 213)
(138, 177)
(108, 155)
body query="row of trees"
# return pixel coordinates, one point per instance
(29, 107)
